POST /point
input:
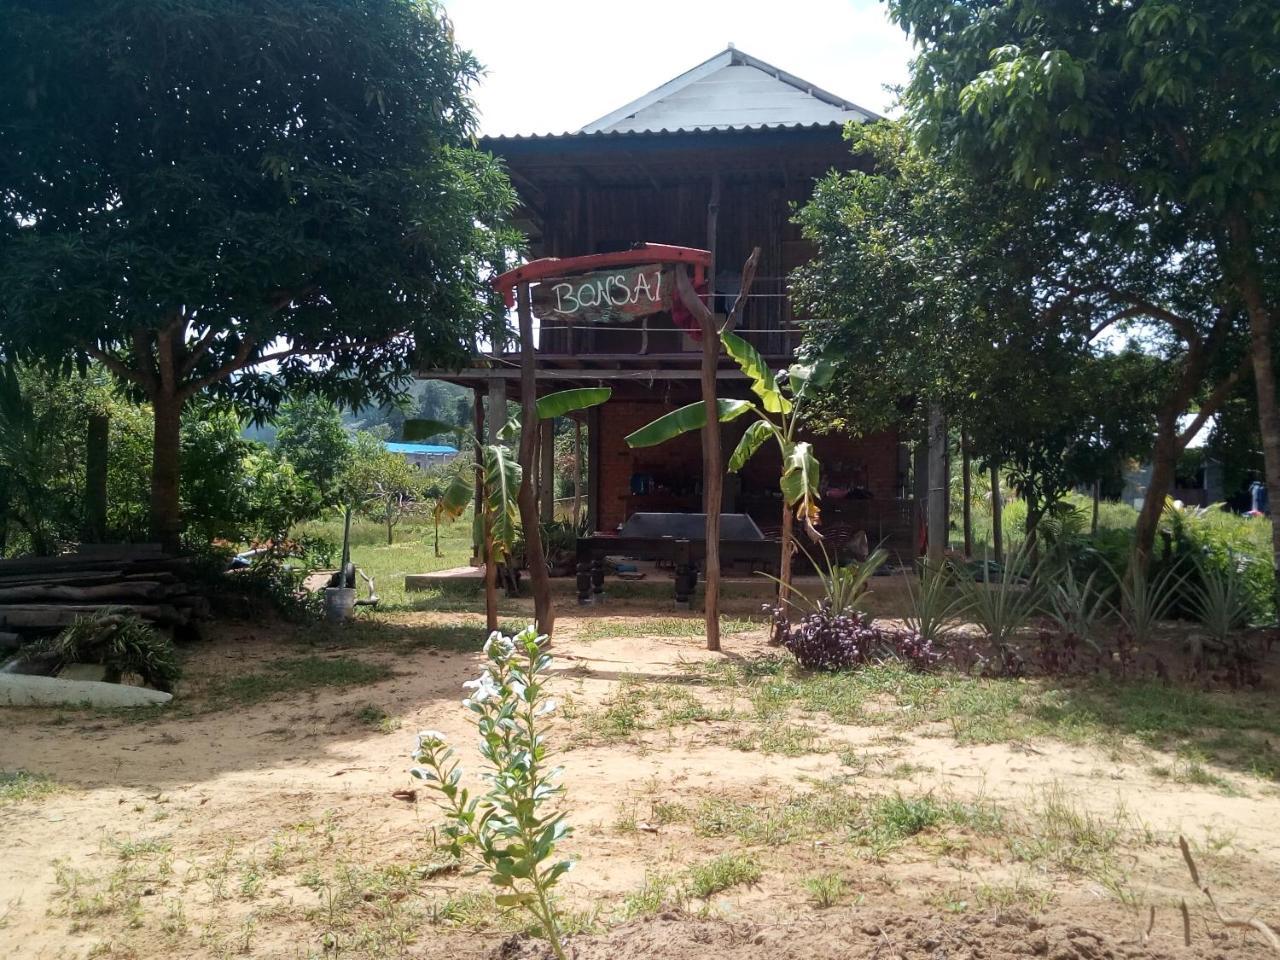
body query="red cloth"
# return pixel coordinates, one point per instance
(685, 320)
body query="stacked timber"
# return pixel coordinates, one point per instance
(41, 595)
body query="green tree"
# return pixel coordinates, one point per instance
(992, 299)
(310, 435)
(1174, 102)
(242, 199)
(383, 485)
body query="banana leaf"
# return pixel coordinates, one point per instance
(802, 376)
(763, 383)
(416, 431)
(691, 417)
(799, 481)
(453, 501)
(756, 434)
(567, 401)
(502, 483)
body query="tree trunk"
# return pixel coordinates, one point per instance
(966, 484)
(166, 513)
(997, 514)
(527, 497)
(788, 538)
(389, 526)
(1164, 462)
(712, 468)
(1245, 267)
(938, 495)
(1097, 497)
(97, 438)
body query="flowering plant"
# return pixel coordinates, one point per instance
(509, 830)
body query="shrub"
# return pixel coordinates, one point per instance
(509, 830)
(825, 640)
(123, 643)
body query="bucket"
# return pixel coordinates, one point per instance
(339, 603)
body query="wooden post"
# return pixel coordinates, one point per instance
(938, 499)
(477, 528)
(712, 467)
(547, 470)
(527, 498)
(593, 469)
(577, 472)
(997, 514)
(496, 415)
(966, 484)
(97, 440)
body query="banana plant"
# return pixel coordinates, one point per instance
(499, 474)
(776, 415)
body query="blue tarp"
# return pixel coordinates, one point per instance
(436, 449)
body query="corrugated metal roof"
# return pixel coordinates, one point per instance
(731, 91)
(438, 449)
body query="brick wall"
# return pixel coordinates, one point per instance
(871, 462)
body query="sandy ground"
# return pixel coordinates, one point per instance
(271, 829)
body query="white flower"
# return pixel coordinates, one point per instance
(483, 686)
(497, 644)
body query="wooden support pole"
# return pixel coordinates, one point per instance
(938, 499)
(966, 483)
(97, 441)
(477, 428)
(547, 470)
(997, 514)
(539, 577)
(577, 472)
(712, 466)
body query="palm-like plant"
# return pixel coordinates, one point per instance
(936, 604)
(1003, 607)
(1220, 601)
(1146, 600)
(777, 416)
(1077, 607)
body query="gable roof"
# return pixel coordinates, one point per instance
(731, 91)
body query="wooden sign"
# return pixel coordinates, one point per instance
(606, 296)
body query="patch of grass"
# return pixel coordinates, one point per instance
(20, 786)
(826, 889)
(1065, 834)
(899, 817)
(374, 716)
(291, 675)
(653, 895)
(601, 629)
(1017, 893)
(637, 706)
(725, 871)
(823, 811)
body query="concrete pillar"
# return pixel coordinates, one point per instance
(939, 499)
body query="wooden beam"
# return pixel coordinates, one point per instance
(527, 498)
(712, 467)
(502, 374)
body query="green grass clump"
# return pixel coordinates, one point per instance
(19, 786)
(826, 889)
(725, 871)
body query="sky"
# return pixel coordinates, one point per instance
(555, 65)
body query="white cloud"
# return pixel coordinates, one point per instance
(555, 65)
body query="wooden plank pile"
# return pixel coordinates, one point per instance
(41, 595)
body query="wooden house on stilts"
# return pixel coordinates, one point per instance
(716, 159)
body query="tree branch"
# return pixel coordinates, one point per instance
(1215, 400)
(117, 366)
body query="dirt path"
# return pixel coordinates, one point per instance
(265, 825)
